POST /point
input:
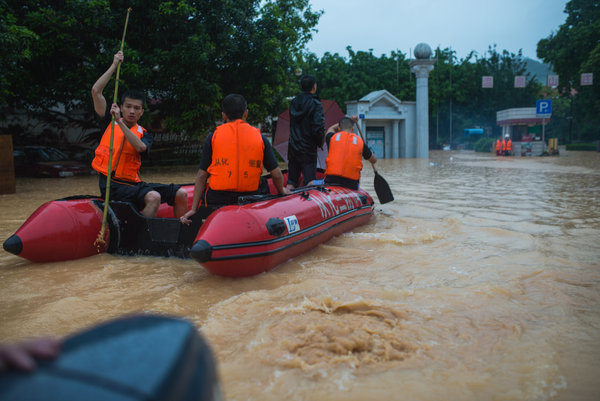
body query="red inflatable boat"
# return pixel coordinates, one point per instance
(243, 240)
(237, 240)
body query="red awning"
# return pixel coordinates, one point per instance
(523, 121)
(332, 112)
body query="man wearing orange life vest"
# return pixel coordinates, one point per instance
(346, 151)
(232, 160)
(499, 147)
(130, 143)
(507, 145)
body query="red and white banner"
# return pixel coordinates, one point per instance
(587, 79)
(552, 81)
(520, 81)
(487, 81)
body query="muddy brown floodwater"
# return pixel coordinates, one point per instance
(481, 281)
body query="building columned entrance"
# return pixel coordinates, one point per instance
(388, 123)
(376, 141)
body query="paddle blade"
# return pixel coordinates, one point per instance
(382, 189)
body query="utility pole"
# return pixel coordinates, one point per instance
(410, 57)
(450, 111)
(397, 70)
(437, 95)
(571, 112)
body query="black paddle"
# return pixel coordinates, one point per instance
(382, 189)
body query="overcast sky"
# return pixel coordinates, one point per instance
(463, 25)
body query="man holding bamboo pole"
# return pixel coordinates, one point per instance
(131, 142)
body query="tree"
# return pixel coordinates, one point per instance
(456, 99)
(15, 48)
(572, 50)
(456, 94)
(342, 79)
(186, 54)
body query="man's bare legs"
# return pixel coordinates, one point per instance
(152, 202)
(181, 203)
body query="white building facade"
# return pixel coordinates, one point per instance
(388, 123)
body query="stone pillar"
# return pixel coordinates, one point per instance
(421, 68)
(395, 139)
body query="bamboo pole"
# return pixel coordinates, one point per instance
(100, 241)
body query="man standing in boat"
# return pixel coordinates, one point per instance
(307, 127)
(131, 142)
(346, 151)
(232, 160)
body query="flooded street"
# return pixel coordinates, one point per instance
(481, 281)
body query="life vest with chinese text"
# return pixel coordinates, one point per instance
(345, 155)
(237, 158)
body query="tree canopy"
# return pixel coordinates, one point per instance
(572, 50)
(456, 97)
(185, 54)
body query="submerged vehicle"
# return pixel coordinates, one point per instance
(46, 161)
(251, 237)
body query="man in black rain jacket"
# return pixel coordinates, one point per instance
(307, 132)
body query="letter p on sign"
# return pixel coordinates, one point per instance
(543, 108)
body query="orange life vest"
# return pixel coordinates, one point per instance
(498, 145)
(508, 145)
(126, 161)
(345, 155)
(237, 158)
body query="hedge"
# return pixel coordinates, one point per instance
(581, 146)
(483, 145)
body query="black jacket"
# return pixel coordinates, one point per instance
(307, 128)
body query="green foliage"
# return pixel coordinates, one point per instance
(572, 50)
(582, 146)
(343, 79)
(15, 48)
(483, 145)
(456, 94)
(454, 86)
(185, 54)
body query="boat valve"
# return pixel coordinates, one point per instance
(275, 226)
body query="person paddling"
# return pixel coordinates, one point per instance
(346, 151)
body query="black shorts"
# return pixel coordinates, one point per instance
(308, 171)
(134, 192)
(342, 182)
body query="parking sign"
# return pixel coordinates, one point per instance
(543, 108)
